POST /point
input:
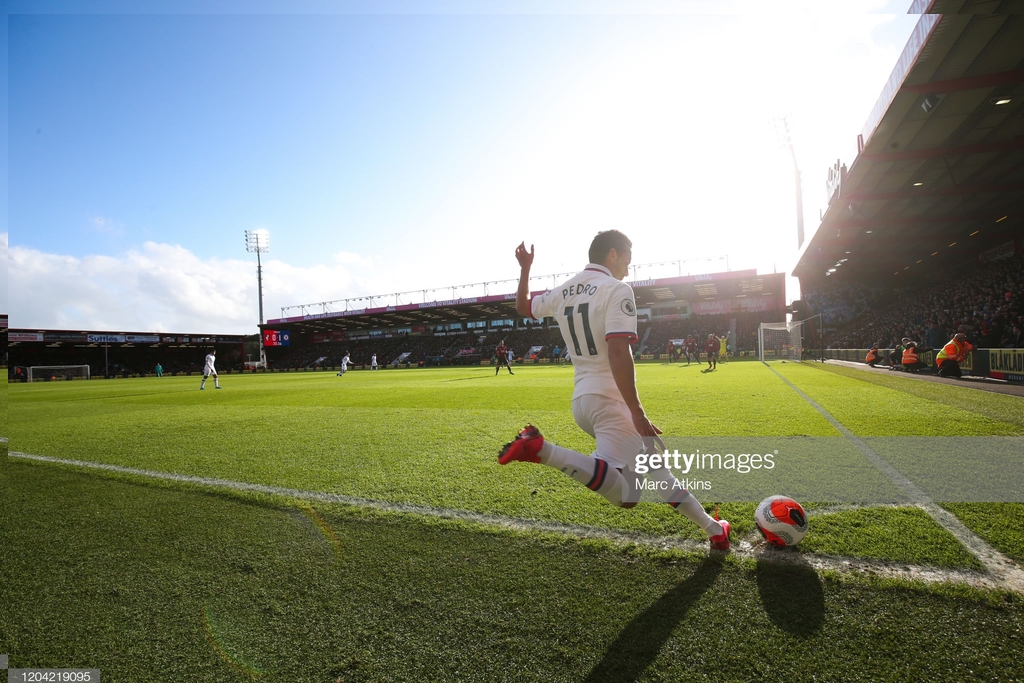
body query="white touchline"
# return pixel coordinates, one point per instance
(747, 548)
(1000, 566)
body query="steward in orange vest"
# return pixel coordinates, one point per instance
(872, 356)
(911, 362)
(952, 354)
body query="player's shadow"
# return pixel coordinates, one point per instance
(640, 642)
(791, 592)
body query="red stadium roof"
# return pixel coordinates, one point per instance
(740, 289)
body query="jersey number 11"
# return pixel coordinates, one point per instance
(587, 334)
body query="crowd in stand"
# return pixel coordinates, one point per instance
(840, 302)
(985, 303)
(472, 346)
(469, 347)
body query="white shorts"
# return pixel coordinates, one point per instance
(207, 372)
(608, 420)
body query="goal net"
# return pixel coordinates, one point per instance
(780, 341)
(57, 373)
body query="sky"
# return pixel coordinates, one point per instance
(408, 149)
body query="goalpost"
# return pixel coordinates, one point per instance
(780, 341)
(60, 373)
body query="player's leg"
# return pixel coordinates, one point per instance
(618, 442)
(684, 502)
(216, 381)
(508, 364)
(202, 385)
(594, 472)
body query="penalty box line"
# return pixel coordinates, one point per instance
(1000, 566)
(741, 548)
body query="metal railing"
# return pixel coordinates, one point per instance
(642, 271)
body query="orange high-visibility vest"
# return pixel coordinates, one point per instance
(872, 356)
(953, 350)
(910, 355)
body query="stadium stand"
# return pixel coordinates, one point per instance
(122, 358)
(985, 302)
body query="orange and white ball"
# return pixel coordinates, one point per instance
(781, 520)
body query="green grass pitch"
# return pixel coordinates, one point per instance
(141, 578)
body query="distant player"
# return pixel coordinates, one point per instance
(511, 357)
(691, 350)
(209, 369)
(711, 347)
(344, 364)
(373, 362)
(596, 316)
(723, 348)
(502, 354)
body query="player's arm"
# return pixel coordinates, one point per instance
(525, 259)
(620, 358)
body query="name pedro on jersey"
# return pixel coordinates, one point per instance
(573, 290)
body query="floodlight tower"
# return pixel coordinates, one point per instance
(259, 241)
(786, 140)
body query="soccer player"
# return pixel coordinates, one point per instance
(596, 315)
(711, 347)
(723, 350)
(691, 350)
(373, 362)
(503, 355)
(159, 370)
(344, 364)
(209, 369)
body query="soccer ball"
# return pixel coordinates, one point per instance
(781, 521)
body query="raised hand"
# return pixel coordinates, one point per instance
(524, 257)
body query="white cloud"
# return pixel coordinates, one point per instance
(164, 288)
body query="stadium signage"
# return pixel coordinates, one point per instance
(143, 338)
(1005, 250)
(25, 336)
(834, 181)
(106, 339)
(277, 338)
(1006, 364)
(63, 337)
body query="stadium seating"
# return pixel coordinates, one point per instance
(985, 302)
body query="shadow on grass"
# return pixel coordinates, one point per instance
(642, 639)
(792, 595)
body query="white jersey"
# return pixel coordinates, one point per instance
(344, 363)
(209, 369)
(373, 360)
(590, 308)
